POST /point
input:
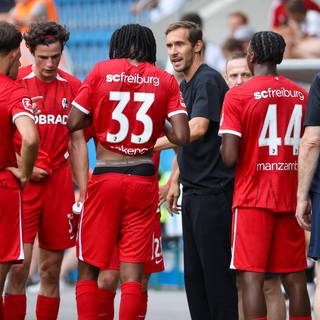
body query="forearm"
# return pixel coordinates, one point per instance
(79, 162)
(163, 143)
(307, 164)
(175, 172)
(29, 152)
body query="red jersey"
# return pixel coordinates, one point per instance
(267, 114)
(279, 14)
(14, 102)
(129, 104)
(55, 107)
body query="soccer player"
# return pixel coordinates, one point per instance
(15, 113)
(207, 183)
(237, 72)
(127, 99)
(108, 279)
(48, 199)
(261, 128)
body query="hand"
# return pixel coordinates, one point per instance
(35, 108)
(163, 192)
(303, 214)
(38, 174)
(172, 199)
(17, 172)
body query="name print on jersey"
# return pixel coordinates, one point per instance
(132, 78)
(270, 93)
(51, 119)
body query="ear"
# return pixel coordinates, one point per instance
(251, 56)
(14, 53)
(198, 47)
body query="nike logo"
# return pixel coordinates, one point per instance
(157, 261)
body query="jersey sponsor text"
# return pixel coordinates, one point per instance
(130, 151)
(51, 119)
(277, 166)
(282, 92)
(132, 78)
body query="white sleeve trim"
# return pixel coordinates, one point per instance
(236, 133)
(78, 106)
(22, 114)
(177, 112)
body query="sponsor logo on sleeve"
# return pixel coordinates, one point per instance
(27, 104)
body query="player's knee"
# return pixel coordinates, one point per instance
(49, 273)
(108, 280)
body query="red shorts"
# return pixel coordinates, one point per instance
(11, 248)
(155, 263)
(120, 209)
(265, 241)
(47, 210)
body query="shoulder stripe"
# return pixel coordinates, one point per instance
(235, 133)
(177, 112)
(22, 114)
(81, 108)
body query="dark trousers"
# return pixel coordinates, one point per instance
(210, 284)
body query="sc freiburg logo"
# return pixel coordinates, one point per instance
(64, 103)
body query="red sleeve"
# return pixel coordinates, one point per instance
(175, 103)
(230, 121)
(311, 5)
(84, 97)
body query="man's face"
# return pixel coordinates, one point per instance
(15, 64)
(47, 59)
(180, 50)
(237, 72)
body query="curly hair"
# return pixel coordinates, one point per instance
(45, 33)
(10, 37)
(268, 46)
(133, 41)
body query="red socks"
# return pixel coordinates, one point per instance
(143, 305)
(47, 308)
(87, 299)
(15, 307)
(106, 304)
(300, 318)
(130, 300)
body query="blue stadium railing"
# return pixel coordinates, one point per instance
(91, 23)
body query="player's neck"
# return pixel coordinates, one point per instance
(134, 62)
(265, 69)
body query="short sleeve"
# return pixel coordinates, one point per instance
(176, 103)
(230, 121)
(207, 103)
(312, 117)
(84, 98)
(20, 104)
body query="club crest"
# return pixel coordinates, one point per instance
(64, 103)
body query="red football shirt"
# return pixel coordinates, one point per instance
(14, 102)
(55, 107)
(267, 114)
(279, 12)
(129, 104)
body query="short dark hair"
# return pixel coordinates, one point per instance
(45, 33)
(10, 37)
(268, 46)
(195, 32)
(133, 41)
(193, 17)
(238, 55)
